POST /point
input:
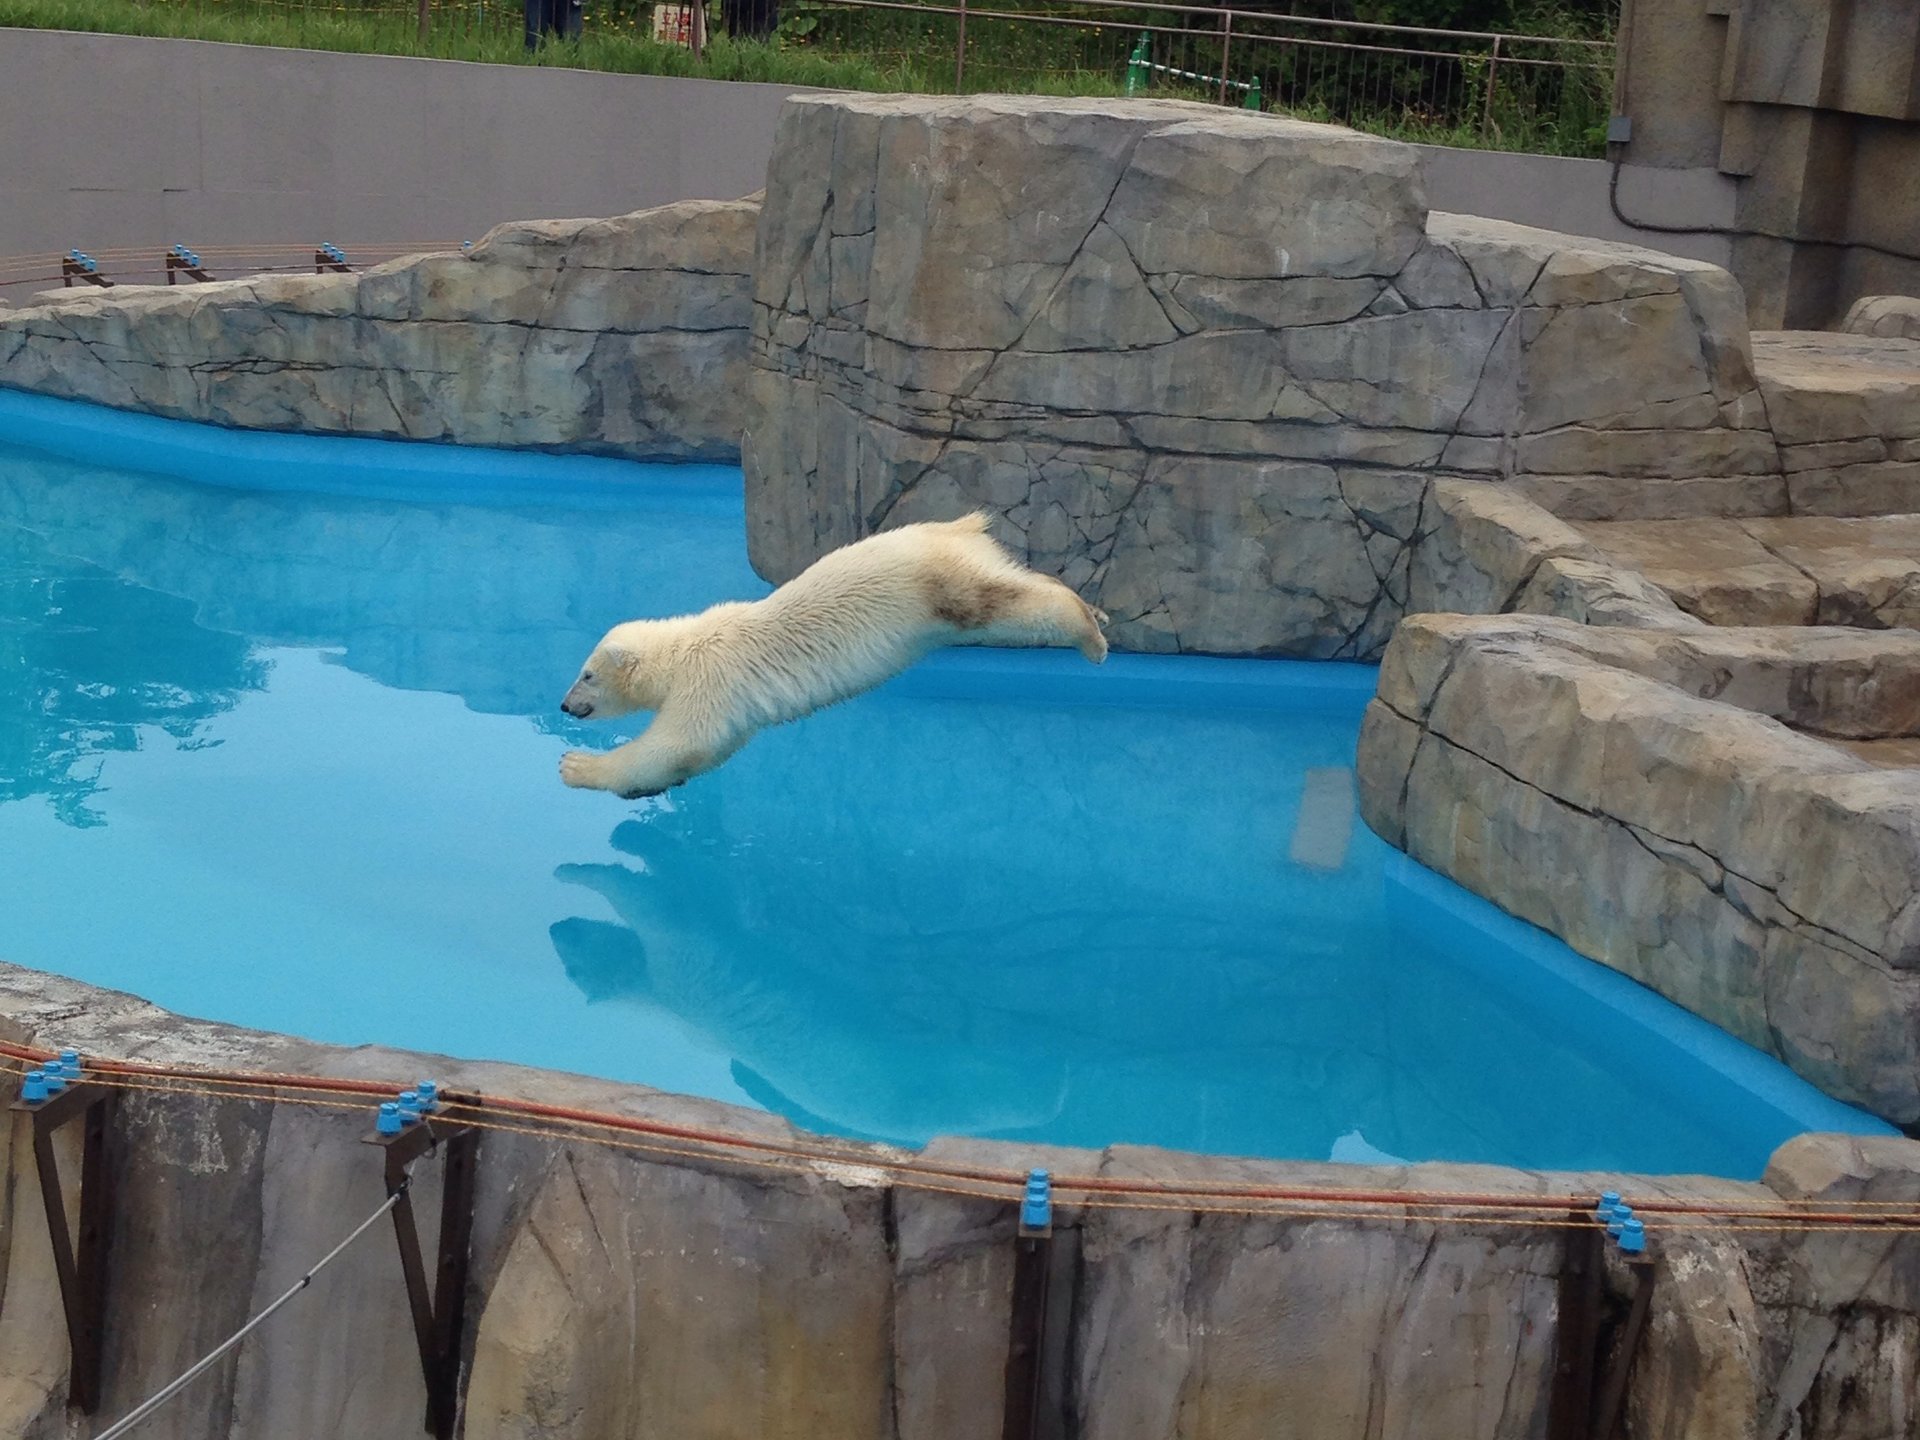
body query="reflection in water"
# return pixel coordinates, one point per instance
(488, 604)
(87, 662)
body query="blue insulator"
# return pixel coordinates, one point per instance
(70, 1064)
(1633, 1237)
(428, 1094)
(1036, 1206)
(56, 1082)
(388, 1122)
(1622, 1213)
(34, 1090)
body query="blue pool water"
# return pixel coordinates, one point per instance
(278, 737)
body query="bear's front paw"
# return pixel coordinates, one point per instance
(580, 769)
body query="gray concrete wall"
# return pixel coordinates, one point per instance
(119, 141)
(1558, 193)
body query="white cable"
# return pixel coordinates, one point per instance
(147, 1407)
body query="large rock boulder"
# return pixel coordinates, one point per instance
(1203, 365)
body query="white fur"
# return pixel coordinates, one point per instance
(852, 619)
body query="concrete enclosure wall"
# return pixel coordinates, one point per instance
(118, 141)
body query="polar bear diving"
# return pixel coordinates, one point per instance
(854, 618)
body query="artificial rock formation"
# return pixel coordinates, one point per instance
(629, 1291)
(619, 337)
(1670, 805)
(1201, 364)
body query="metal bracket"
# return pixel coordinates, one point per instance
(1032, 1270)
(1613, 1394)
(439, 1318)
(330, 259)
(1570, 1402)
(79, 1259)
(1573, 1413)
(188, 265)
(83, 268)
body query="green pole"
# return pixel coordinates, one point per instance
(1252, 101)
(1137, 68)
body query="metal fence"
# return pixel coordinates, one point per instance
(1533, 92)
(1529, 91)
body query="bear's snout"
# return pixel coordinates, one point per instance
(579, 709)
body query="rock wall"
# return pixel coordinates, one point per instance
(1203, 365)
(1845, 411)
(619, 337)
(635, 1293)
(1665, 803)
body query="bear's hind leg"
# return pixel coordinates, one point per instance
(1043, 611)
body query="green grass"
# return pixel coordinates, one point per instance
(829, 49)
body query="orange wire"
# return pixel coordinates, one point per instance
(1098, 1192)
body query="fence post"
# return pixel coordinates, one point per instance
(423, 20)
(960, 52)
(1226, 40)
(1493, 75)
(1137, 67)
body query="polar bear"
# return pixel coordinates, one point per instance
(854, 618)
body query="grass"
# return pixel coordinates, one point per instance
(849, 50)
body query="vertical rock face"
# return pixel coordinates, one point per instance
(648, 1289)
(1202, 365)
(1641, 795)
(621, 337)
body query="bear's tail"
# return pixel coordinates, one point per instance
(973, 524)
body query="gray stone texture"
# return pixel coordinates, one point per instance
(1204, 366)
(621, 337)
(1665, 803)
(629, 1291)
(1813, 108)
(1889, 317)
(1845, 410)
(1791, 570)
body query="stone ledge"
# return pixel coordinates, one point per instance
(622, 337)
(1792, 570)
(1640, 795)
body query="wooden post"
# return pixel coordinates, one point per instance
(1570, 1403)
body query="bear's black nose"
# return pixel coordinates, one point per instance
(579, 709)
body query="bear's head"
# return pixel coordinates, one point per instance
(614, 681)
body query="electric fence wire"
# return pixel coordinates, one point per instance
(146, 1407)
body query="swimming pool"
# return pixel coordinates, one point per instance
(278, 731)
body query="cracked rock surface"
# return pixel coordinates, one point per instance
(1205, 366)
(629, 1294)
(619, 337)
(1667, 804)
